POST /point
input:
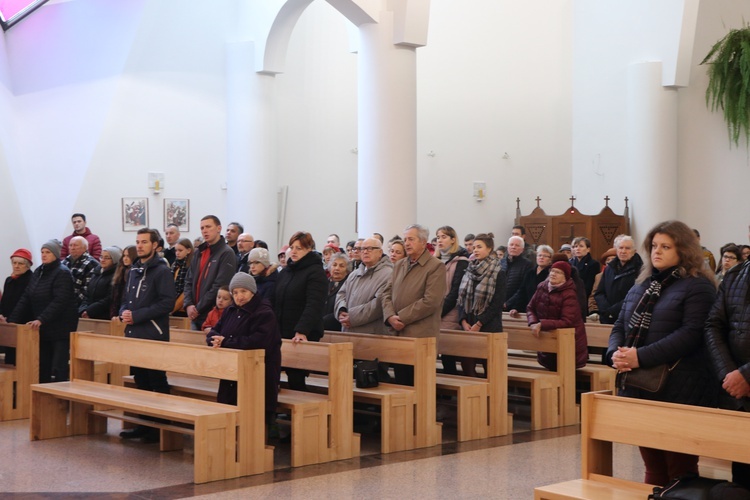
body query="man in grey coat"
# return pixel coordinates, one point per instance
(358, 302)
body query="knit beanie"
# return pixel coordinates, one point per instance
(115, 253)
(54, 247)
(259, 255)
(243, 280)
(24, 254)
(564, 267)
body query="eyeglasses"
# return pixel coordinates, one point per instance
(105, 257)
(370, 249)
(357, 249)
(729, 257)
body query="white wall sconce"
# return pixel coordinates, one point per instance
(156, 182)
(480, 191)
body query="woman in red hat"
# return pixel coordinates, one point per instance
(555, 305)
(14, 287)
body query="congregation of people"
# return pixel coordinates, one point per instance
(672, 305)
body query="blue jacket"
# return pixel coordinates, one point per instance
(675, 333)
(149, 295)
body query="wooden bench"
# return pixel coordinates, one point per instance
(595, 376)
(229, 441)
(553, 394)
(607, 419)
(179, 322)
(482, 404)
(106, 373)
(322, 425)
(407, 413)
(15, 380)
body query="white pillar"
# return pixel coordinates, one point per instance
(387, 142)
(251, 141)
(652, 147)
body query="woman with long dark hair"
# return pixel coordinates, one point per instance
(660, 327)
(183, 251)
(120, 278)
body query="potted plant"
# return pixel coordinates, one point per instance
(729, 81)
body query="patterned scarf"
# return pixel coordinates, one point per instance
(640, 321)
(478, 284)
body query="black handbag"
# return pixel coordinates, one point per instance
(648, 379)
(366, 373)
(693, 487)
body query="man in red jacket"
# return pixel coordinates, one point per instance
(80, 229)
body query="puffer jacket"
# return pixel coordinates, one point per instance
(614, 285)
(675, 333)
(50, 299)
(300, 297)
(515, 271)
(728, 331)
(99, 294)
(558, 308)
(149, 295)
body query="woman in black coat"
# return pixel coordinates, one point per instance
(587, 266)
(49, 305)
(300, 296)
(98, 301)
(15, 285)
(617, 279)
(672, 298)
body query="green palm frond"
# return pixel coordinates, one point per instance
(729, 81)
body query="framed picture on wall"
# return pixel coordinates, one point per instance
(134, 213)
(177, 211)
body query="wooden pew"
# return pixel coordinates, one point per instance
(15, 380)
(106, 373)
(229, 441)
(596, 376)
(607, 419)
(482, 403)
(399, 404)
(553, 394)
(179, 322)
(322, 425)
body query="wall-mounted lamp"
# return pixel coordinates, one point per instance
(480, 190)
(156, 181)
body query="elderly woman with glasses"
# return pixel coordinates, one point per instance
(15, 285)
(531, 280)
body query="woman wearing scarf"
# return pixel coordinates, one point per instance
(456, 260)
(555, 305)
(481, 295)
(661, 323)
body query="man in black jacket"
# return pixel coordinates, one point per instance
(149, 298)
(212, 267)
(728, 340)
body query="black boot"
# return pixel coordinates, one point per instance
(138, 431)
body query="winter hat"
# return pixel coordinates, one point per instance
(609, 253)
(259, 255)
(54, 247)
(564, 267)
(333, 247)
(243, 280)
(115, 253)
(283, 249)
(24, 254)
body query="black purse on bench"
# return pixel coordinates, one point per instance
(366, 373)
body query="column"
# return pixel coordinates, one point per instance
(652, 146)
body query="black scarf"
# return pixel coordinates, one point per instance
(640, 321)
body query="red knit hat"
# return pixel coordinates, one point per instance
(564, 267)
(24, 254)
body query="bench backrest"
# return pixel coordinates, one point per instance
(26, 341)
(168, 356)
(101, 326)
(418, 352)
(490, 346)
(180, 322)
(695, 430)
(597, 335)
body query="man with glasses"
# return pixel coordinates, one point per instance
(245, 243)
(357, 253)
(358, 303)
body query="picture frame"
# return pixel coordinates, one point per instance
(134, 213)
(177, 211)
